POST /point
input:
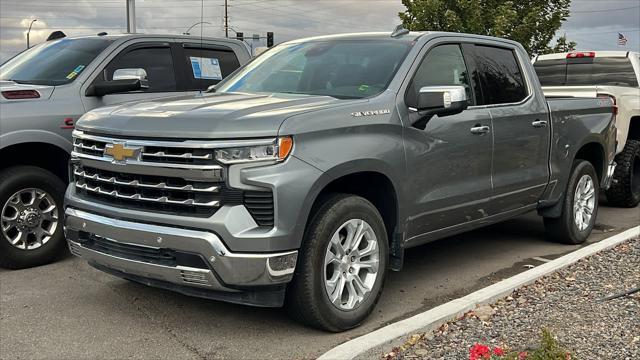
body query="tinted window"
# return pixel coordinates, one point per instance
(443, 65)
(500, 75)
(342, 69)
(157, 62)
(53, 62)
(586, 71)
(206, 67)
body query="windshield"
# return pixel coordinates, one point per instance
(341, 69)
(586, 72)
(55, 62)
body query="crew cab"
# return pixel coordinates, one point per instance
(303, 177)
(43, 92)
(614, 74)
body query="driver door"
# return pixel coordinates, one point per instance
(449, 166)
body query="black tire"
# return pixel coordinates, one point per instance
(307, 300)
(564, 228)
(14, 179)
(625, 188)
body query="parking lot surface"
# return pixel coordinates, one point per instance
(70, 310)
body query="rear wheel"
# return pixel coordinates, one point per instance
(625, 189)
(30, 217)
(342, 265)
(579, 207)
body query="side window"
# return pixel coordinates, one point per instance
(206, 67)
(443, 65)
(156, 61)
(500, 75)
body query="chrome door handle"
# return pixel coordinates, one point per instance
(539, 123)
(480, 130)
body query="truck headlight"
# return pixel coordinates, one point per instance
(271, 152)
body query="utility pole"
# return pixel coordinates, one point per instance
(131, 16)
(226, 19)
(29, 32)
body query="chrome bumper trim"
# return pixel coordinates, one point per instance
(232, 269)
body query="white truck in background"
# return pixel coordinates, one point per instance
(614, 74)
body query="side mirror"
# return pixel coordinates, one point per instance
(124, 80)
(441, 101)
(101, 88)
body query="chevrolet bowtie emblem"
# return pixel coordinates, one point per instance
(120, 152)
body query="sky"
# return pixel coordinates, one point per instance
(594, 24)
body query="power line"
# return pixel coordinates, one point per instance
(604, 10)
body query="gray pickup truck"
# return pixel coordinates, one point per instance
(307, 173)
(45, 89)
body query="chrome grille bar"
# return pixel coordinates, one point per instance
(159, 185)
(162, 199)
(186, 155)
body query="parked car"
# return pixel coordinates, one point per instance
(614, 74)
(310, 171)
(45, 89)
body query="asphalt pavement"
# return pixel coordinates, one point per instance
(70, 310)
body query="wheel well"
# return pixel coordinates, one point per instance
(593, 153)
(373, 186)
(634, 128)
(43, 155)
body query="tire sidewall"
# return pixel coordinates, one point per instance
(15, 179)
(348, 208)
(580, 169)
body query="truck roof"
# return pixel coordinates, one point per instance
(597, 54)
(125, 37)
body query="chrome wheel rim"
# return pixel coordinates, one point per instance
(29, 218)
(584, 202)
(351, 264)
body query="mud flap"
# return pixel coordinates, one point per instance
(396, 252)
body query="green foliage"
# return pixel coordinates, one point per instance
(533, 23)
(549, 349)
(562, 45)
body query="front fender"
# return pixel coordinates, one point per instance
(35, 136)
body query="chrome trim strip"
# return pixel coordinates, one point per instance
(78, 155)
(194, 144)
(162, 199)
(160, 185)
(187, 155)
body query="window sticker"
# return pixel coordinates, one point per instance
(75, 72)
(206, 68)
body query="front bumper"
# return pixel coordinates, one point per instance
(147, 253)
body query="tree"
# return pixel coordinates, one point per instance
(532, 23)
(562, 45)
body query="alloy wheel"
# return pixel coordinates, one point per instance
(584, 202)
(29, 218)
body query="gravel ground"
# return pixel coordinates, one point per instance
(566, 302)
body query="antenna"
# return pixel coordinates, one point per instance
(399, 31)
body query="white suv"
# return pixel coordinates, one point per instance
(614, 74)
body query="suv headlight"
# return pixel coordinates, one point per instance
(277, 151)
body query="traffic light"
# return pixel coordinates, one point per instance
(240, 36)
(269, 39)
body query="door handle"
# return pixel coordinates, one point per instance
(539, 123)
(480, 130)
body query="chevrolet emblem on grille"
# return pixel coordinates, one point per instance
(120, 152)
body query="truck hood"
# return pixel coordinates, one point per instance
(210, 116)
(44, 90)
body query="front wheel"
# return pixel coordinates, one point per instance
(342, 265)
(579, 207)
(31, 217)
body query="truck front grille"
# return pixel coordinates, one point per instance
(178, 177)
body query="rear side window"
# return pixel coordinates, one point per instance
(586, 71)
(206, 67)
(500, 75)
(156, 61)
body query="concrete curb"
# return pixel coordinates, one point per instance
(431, 319)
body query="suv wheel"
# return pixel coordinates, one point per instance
(31, 217)
(625, 190)
(342, 265)
(579, 208)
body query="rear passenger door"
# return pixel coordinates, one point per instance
(521, 128)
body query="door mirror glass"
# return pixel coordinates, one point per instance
(101, 88)
(132, 74)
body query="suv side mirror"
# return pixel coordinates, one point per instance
(441, 101)
(124, 80)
